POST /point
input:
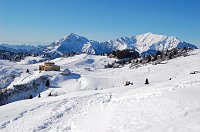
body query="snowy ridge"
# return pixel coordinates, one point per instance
(142, 43)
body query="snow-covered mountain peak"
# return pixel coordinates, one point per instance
(148, 34)
(156, 37)
(68, 44)
(73, 37)
(150, 41)
(150, 37)
(141, 43)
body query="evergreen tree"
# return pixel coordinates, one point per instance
(146, 81)
(170, 56)
(158, 53)
(126, 54)
(185, 48)
(175, 51)
(154, 58)
(47, 83)
(108, 66)
(27, 70)
(31, 96)
(148, 58)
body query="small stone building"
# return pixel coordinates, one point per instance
(49, 66)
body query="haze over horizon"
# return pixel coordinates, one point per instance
(37, 21)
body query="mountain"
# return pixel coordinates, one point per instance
(144, 43)
(22, 48)
(68, 44)
(147, 43)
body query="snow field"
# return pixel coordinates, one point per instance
(97, 100)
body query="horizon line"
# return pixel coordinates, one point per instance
(49, 42)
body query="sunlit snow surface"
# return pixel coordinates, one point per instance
(94, 99)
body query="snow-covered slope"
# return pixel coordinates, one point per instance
(142, 43)
(95, 99)
(14, 74)
(8, 73)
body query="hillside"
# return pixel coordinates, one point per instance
(95, 99)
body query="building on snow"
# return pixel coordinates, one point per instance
(49, 66)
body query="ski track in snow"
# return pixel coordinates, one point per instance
(65, 108)
(19, 116)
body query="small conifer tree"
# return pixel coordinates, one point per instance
(31, 96)
(170, 56)
(27, 70)
(146, 81)
(47, 83)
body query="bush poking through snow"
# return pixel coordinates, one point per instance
(49, 94)
(194, 72)
(128, 83)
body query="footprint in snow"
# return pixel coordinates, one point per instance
(4, 124)
(20, 115)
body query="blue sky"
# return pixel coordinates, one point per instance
(38, 21)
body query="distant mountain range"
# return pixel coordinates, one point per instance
(22, 48)
(147, 43)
